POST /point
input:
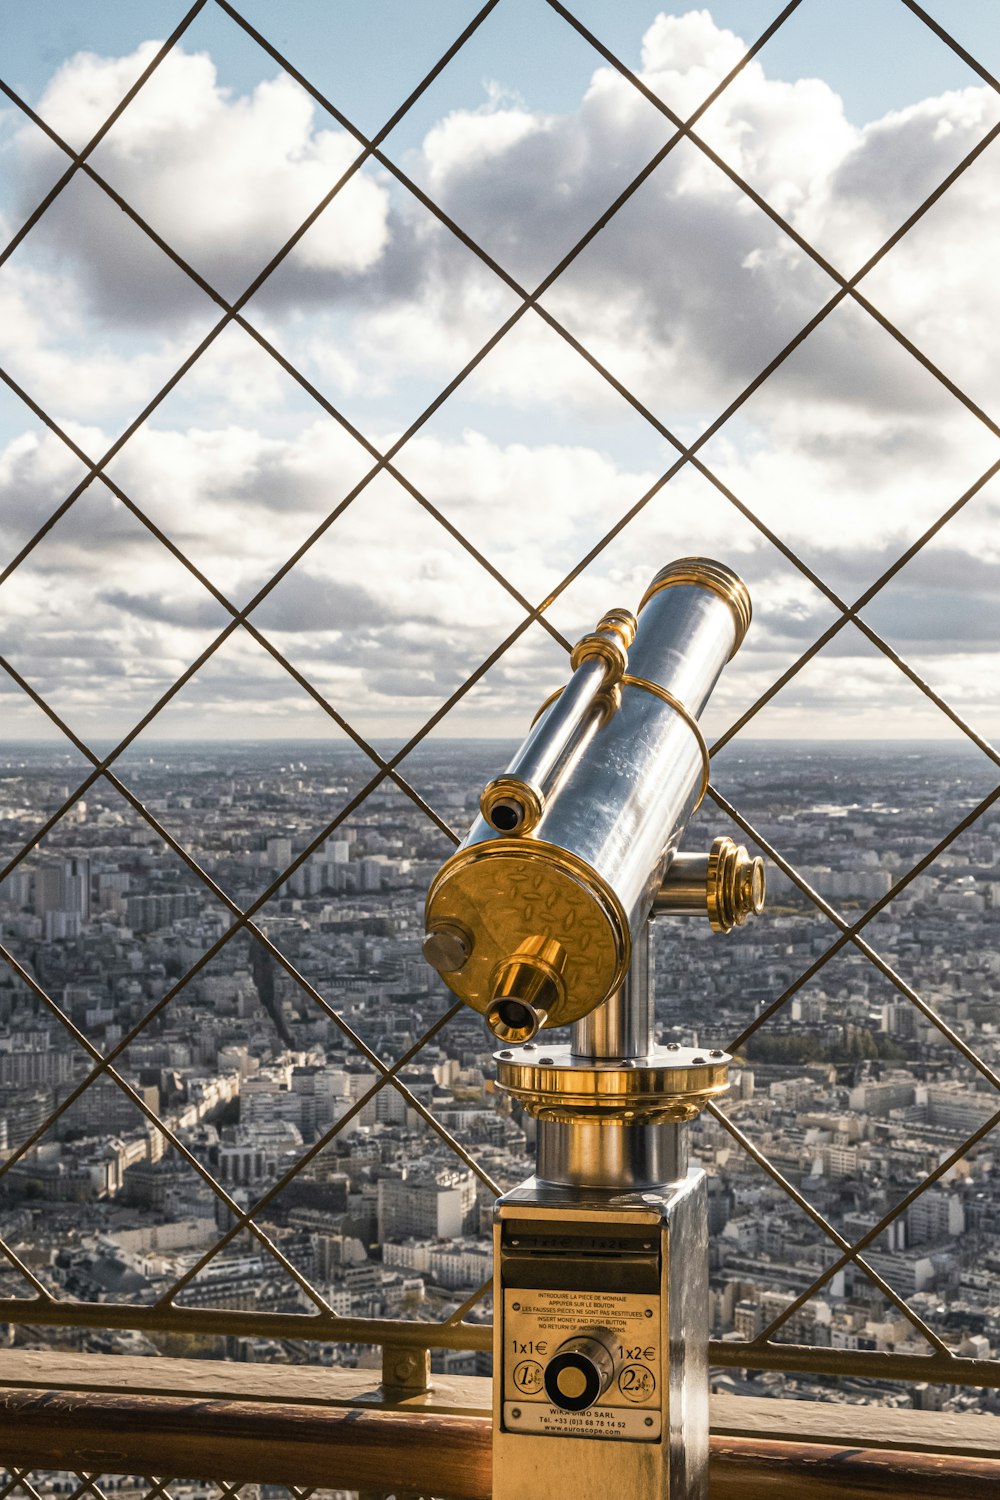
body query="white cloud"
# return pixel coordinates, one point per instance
(66, 360)
(386, 614)
(690, 289)
(848, 452)
(225, 178)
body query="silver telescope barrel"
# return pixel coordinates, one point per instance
(515, 801)
(536, 924)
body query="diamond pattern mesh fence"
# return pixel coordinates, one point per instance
(255, 956)
(33, 1485)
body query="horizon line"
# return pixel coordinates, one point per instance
(484, 739)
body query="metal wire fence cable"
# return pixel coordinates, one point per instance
(279, 256)
(820, 1220)
(798, 562)
(320, 1144)
(358, 1044)
(168, 1134)
(689, 452)
(873, 260)
(237, 618)
(458, 1317)
(102, 766)
(847, 284)
(872, 1234)
(944, 379)
(849, 613)
(858, 942)
(500, 271)
(939, 702)
(88, 1486)
(181, 555)
(382, 464)
(951, 42)
(276, 953)
(777, 541)
(318, 839)
(298, 1166)
(849, 609)
(847, 936)
(388, 1074)
(102, 131)
(429, 203)
(28, 1488)
(18, 1264)
(159, 1489)
(531, 300)
(195, 666)
(239, 925)
(104, 771)
(178, 553)
(874, 588)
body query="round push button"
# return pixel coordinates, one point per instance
(581, 1370)
(572, 1381)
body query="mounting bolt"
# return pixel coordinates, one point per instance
(405, 1372)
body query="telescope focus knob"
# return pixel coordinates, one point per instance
(447, 947)
(735, 885)
(581, 1370)
(727, 884)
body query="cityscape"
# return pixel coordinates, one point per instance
(262, 1056)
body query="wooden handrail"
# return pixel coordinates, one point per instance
(248, 1441)
(334, 1429)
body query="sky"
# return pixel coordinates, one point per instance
(843, 125)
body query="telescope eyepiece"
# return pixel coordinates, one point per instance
(507, 815)
(526, 987)
(555, 880)
(511, 805)
(514, 1021)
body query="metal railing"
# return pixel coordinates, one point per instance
(765, 1351)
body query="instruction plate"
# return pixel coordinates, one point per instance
(537, 1322)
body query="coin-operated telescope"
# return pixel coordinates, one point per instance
(541, 919)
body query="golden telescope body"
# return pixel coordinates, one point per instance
(534, 918)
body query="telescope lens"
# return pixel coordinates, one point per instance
(514, 1015)
(506, 816)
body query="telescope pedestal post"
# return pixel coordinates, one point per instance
(601, 1267)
